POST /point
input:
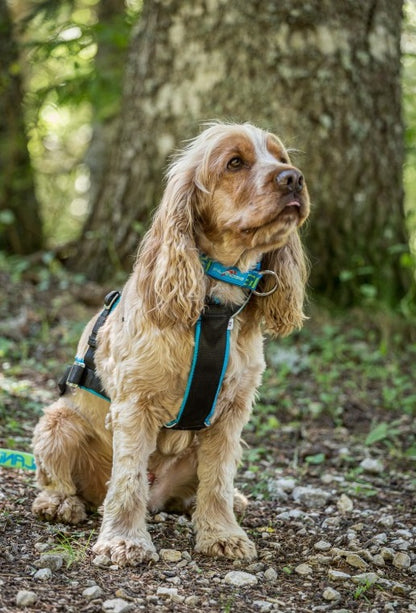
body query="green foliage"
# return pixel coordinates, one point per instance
(70, 88)
(73, 548)
(351, 365)
(362, 590)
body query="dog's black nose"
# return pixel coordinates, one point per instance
(290, 180)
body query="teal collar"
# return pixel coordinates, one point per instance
(232, 275)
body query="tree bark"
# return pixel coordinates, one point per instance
(20, 222)
(109, 62)
(325, 76)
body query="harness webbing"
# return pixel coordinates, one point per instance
(209, 363)
(210, 355)
(82, 372)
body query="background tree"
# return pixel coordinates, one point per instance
(111, 34)
(325, 76)
(20, 223)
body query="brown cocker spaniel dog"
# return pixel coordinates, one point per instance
(233, 195)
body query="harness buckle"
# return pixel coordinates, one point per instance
(274, 288)
(110, 299)
(75, 374)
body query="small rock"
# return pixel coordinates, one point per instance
(43, 574)
(102, 561)
(25, 598)
(380, 539)
(331, 594)
(303, 569)
(401, 544)
(47, 560)
(372, 466)
(122, 593)
(178, 598)
(167, 592)
(386, 521)
(293, 514)
(275, 493)
(322, 546)
(311, 497)
(192, 601)
(404, 533)
(344, 504)
(365, 578)
(378, 560)
(337, 575)
(263, 605)
(353, 559)
(280, 488)
(93, 592)
(399, 588)
(287, 484)
(401, 560)
(240, 579)
(170, 555)
(256, 567)
(270, 574)
(117, 605)
(387, 553)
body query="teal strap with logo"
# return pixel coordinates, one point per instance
(232, 275)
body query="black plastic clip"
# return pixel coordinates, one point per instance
(76, 374)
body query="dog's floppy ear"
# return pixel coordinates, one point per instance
(168, 269)
(282, 311)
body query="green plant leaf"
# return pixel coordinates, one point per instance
(318, 458)
(379, 433)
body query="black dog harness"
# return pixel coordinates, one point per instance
(210, 355)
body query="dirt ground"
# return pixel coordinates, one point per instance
(333, 518)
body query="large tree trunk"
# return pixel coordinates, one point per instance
(109, 62)
(20, 223)
(323, 75)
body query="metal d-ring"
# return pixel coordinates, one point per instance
(274, 288)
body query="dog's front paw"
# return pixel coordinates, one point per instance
(127, 552)
(58, 507)
(237, 546)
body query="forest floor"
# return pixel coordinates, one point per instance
(329, 468)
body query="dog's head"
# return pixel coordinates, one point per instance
(233, 194)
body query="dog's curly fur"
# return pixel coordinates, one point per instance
(233, 194)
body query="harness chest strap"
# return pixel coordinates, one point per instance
(208, 367)
(210, 355)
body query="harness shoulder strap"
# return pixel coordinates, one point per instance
(82, 372)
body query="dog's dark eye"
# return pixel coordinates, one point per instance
(235, 163)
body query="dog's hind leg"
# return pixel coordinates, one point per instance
(60, 438)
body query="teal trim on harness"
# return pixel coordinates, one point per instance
(231, 274)
(173, 422)
(211, 352)
(81, 362)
